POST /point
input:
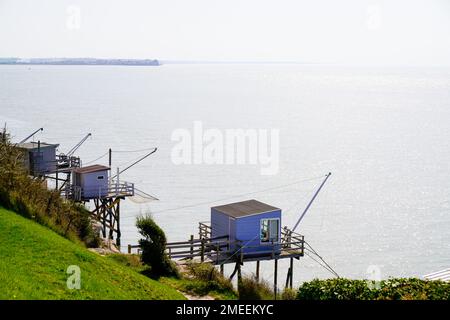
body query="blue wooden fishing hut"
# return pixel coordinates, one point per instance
(39, 157)
(91, 181)
(246, 231)
(251, 225)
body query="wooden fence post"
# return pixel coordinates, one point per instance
(202, 251)
(192, 245)
(129, 249)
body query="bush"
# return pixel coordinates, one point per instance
(210, 278)
(153, 248)
(30, 198)
(250, 288)
(288, 294)
(391, 289)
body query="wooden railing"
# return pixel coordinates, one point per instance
(211, 248)
(204, 230)
(220, 249)
(122, 189)
(65, 162)
(292, 240)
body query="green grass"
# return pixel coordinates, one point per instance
(203, 279)
(185, 283)
(34, 261)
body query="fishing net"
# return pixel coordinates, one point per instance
(142, 197)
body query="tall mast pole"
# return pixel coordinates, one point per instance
(312, 200)
(24, 140)
(136, 162)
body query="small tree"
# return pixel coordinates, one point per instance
(153, 248)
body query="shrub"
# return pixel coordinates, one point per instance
(288, 294)
(153, 248)
(391, 289)
(210, 278)
(250, 288)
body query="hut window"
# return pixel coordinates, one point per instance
(269, 230)
(100, 177)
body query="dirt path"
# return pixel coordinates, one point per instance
(193, 297)
(183, 270)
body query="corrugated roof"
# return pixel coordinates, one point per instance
(245, 208)
(93, 168)
(34, 145)
(443, 275)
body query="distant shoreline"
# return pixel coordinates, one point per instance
(80, 62)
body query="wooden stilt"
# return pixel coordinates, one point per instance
(110, 217)
(239, 273)
(275, 279)
(118, 225)
(257, 270)
(291, 273)
(221, 269)
(102, 214)
(235, 270)
(288, 275)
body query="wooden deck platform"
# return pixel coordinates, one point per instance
(114, 190)
(220, 250)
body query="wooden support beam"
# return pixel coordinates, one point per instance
(110, 217)
(237, 266)
(292, 272)
(257, 270)
(275, 279)
(103, 219)
(287, 278)
(119, 234)
(221, 269)
(239, 273)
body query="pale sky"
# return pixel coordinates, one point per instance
(407, 32)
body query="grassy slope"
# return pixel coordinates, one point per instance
(34, 260)
(185, 283)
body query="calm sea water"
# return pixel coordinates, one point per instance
(383, 133)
